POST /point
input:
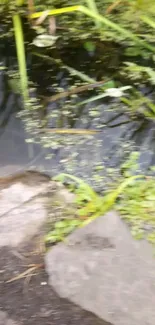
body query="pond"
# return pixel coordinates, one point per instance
(60, 134)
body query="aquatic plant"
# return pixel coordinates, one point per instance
(134, 39)
(137, 207)
(108, 21)
(20, 48)
(90, 205)
(13, 8)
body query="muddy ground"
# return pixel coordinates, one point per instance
(30, 300)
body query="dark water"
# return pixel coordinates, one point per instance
(93, 157)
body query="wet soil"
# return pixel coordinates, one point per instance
(30, 300)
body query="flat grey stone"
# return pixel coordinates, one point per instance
(23, 208)
(22, 223)
(104, 270)
(17, 194)
(22, 211)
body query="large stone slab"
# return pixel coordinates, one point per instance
(22, 210)
(17, 194)
(25, 206)
(22, 223)
(104, 270)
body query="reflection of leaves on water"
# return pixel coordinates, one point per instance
(8, 105)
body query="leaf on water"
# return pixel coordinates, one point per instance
(45, 40)
(117, 92)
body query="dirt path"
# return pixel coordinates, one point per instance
(29, 300)
(33, 302)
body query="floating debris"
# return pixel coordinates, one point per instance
(45, 40)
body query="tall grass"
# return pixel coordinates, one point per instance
(102, 20)
(91, 11)
(91, 4)
(20, 48)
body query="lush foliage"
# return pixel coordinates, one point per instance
(129, 24)
(89, 205)
(123, 31)
(137, 206)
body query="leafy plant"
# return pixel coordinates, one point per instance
(13, 9)
(101, 20)
(137, 207)
(91, 205)
(141, 104)
(138, 72)
(61, 230)
(136, 204)
(136, 41)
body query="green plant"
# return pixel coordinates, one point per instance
(136, 41)
(141, 104)
(100, 19)
(136, 204)
(137, 207)
(61, 230)
(14, 9)
(91, 205)
(19, 39)
(138, 72)
(91, 4)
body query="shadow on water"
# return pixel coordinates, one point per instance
(90, 156)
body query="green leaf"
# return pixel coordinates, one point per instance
(90, 46)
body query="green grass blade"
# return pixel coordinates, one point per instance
(71, 70)
(20, 2)
(92, 99)
(109, 200)
(148, 21)
(91, 4)
(56, 11)
(19, 39)
(79, 74)
(116, 27)
(97, 17)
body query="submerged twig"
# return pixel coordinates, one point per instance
(70, 131)
(113, 6)
(73, 91)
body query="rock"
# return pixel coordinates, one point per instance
(64, 195)
(17, 194)
(22, 223)
(5, 320)
(22, 212)
(104, 270)
(23, 206)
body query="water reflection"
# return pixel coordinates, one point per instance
(87, 156)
